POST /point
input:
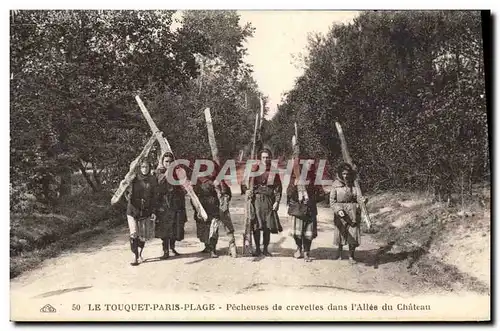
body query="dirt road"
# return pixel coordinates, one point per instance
(98, 272)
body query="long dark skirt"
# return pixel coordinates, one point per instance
(171, 225)
(265, 217)
(304, 229)
(143, 228)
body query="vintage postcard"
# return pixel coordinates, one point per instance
(227, 165)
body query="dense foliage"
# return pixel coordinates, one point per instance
(409, 91)
(74, 76)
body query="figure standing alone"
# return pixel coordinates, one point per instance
(305, 227)
(265, 196)
(344, 202)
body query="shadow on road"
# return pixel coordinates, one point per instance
(202, 256)
(59, 292)
(373, 257)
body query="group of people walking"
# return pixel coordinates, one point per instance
(157, 208)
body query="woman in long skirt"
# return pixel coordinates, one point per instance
(141, 210)
(347, 213)
(265, 198)
(171, 207)
(305, 228)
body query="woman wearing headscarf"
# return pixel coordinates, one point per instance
(304, 226)
(171, 206)
(141, 209)
(265, 197)
(347, 212)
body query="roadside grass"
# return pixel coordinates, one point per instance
(35, 236)
(437, 238)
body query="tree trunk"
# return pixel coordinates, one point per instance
(462, 175)
(486, 156)
(97, 177)
(65, 185)
(471, 174)
(457, 59)
(46, 189)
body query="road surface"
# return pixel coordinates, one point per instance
(90, 281)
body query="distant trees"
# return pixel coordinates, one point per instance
(74, 75)
(409, 90)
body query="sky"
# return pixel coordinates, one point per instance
(279, 39)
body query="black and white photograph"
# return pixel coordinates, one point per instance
(250, 165)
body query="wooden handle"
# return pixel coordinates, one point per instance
(247, 234)
(296, 131)
(125, 183)
(347, 159)
(164, 145)
(211, 137)
(261, 112)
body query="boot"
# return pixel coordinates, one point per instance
(298, 251)
(213, 244)
(307, 249)
(256, 237)
(307, 257)
(141, 248)
(267, 239)
(232, 246)
(172, 247)
(339, 256)
(206, 249)
(352, 260)
(134, 244)
(165, 244)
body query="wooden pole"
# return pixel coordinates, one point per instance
(125, 183)
(247, 235)
(255, 131)
(215, 155)
(296, 153)
(296, 159)
(347, 159)
(261, 112)
(296, 131)
(165, 147)
(211, 137)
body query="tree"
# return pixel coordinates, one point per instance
(224, 84)
(408, 88)
(73, 78)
